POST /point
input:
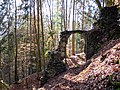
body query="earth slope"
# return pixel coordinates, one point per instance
(103, 72)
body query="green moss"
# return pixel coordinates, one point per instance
(116, 85)
(117, 89)
(97, 48)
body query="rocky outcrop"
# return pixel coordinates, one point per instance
(107, 29)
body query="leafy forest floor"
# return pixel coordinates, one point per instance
(101, 72)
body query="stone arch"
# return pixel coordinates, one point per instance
(56, 65)
(64, 36)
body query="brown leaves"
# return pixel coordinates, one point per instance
(94, 77)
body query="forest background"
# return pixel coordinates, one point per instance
(29, 29)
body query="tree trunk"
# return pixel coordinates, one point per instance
(68, 25)
(43, 52)
(16, 77)
(66, 16)
(83, 12)
(73, 27)
(0, 68)
(26, 62)
(30, 64)
(38, 39)
(9, 44)
(35, 29)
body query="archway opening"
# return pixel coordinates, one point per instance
(79, 44)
